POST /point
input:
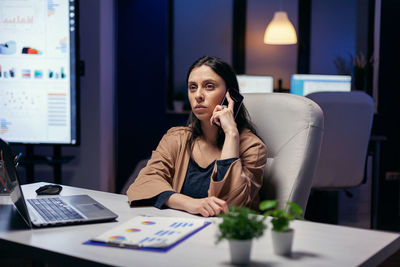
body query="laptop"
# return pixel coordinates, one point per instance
(48, 211)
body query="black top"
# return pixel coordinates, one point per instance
(197, 180)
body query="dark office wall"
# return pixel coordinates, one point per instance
(141, 81)
(200, 28)
(387, 121)
(333, 33)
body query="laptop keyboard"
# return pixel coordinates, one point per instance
(54, 209)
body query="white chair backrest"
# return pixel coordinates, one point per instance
(348, 122)
(291, 126)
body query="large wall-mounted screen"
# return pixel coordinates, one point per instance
(38, 78)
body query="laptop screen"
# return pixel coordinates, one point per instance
(305, 84)
(9, 181)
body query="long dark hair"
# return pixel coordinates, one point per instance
(226, 72)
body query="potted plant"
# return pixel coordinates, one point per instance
(358, 66)
(282, 234)
(239, 227)
(361, 68)
(179, 100)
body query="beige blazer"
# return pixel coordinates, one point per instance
(166, 170)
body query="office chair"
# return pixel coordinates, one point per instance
(291, 126)
(348, 121)
(139, 166)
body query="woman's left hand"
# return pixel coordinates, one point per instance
(223, 116)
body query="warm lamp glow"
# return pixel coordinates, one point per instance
(280, 30)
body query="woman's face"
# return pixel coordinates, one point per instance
(206, 89)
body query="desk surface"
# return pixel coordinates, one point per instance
(315, 244)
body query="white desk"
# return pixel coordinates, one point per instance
(315, 244)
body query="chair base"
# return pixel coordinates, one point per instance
(323, 207)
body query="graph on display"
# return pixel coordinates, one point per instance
(57, 110)
(4, 126)
(62, 45)
(17, 17)
(51, 7)
(19, 20)
(20, 107)
(38, 77)
(19, 101)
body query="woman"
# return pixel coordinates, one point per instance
(215, 161)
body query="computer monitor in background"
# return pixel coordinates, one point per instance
(304, 84)
(38, 73)
(255, 84)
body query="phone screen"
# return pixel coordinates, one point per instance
(237, 98)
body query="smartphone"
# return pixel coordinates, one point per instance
(237, 98)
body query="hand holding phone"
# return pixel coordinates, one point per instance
(237, 99)
(237, 103)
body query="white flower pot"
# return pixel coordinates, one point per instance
(282, 242)
(240, 251)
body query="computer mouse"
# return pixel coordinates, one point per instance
(49, 189)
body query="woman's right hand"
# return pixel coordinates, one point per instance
(223, 116)
(207, 207)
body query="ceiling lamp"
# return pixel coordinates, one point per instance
(280, 30)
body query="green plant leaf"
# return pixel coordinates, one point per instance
(268, 204)
(280, 224)
(240, 224)
(281, 217)
(294, 208)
